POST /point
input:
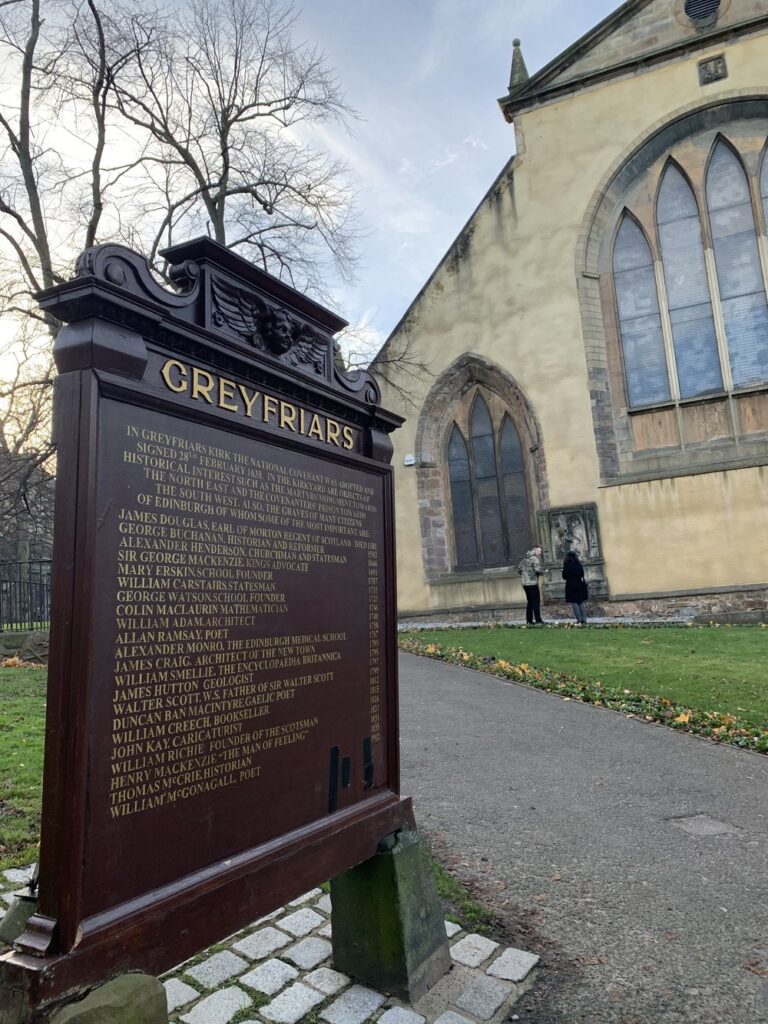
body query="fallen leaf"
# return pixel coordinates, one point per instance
(591, 961)
(756, 967)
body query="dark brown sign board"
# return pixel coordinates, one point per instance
(222, 709)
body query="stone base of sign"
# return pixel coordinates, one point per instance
(129, 999)
(403, 947)
(16, 917)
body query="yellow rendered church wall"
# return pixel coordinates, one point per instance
(686, 533)
(508, 292)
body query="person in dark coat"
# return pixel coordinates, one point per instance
(575, 586)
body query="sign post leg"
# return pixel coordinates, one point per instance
(388, 928)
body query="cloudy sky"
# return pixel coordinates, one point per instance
(424, 76)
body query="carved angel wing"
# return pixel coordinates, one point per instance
(309, 350)
(241, 313)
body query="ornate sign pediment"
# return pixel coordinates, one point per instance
(269, 328)
(220, 292)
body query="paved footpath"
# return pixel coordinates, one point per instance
(639, 855)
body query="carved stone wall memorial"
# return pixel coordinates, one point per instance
(572, 529)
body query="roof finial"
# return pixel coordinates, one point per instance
(519, 74)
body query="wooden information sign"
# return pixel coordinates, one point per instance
(222, 710)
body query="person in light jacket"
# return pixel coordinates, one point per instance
(576, 592)
(530, 570)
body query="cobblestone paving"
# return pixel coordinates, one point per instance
(279, 970)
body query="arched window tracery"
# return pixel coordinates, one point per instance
(515, 488)
(639, 316)
(489, 494)
(464, 528)
(739, 273)
(685, 276)
(706, 333)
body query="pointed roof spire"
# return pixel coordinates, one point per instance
(519, 74)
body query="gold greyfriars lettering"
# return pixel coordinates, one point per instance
(241, 400)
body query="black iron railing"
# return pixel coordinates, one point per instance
(25, 595)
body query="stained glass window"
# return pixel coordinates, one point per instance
(705, 330)
(642, 340)
(739, 272)
(486, 484)
(462, 502)
(685, 277)
(489, 495)
(515, 492)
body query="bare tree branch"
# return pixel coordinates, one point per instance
(119, 121)
(221, 93)
(400, 368)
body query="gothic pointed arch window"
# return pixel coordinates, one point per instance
(486, 485)
(673, 253)
(464, 528)
(515, 488)
(490, 511)
(637, 299)
(685, 276)
(693, 324)
(739, 272)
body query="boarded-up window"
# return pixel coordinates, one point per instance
(739, 273)
(685, 277)
(642, 341)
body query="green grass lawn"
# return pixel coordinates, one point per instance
(720, 669)
(22, 727)
(710, 669)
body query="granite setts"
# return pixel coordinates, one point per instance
(279, 970)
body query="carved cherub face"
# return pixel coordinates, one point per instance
(280, 334)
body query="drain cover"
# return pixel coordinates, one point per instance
(703, 825)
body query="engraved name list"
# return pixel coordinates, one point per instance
(215, 551)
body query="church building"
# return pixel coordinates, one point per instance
(596, 338)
